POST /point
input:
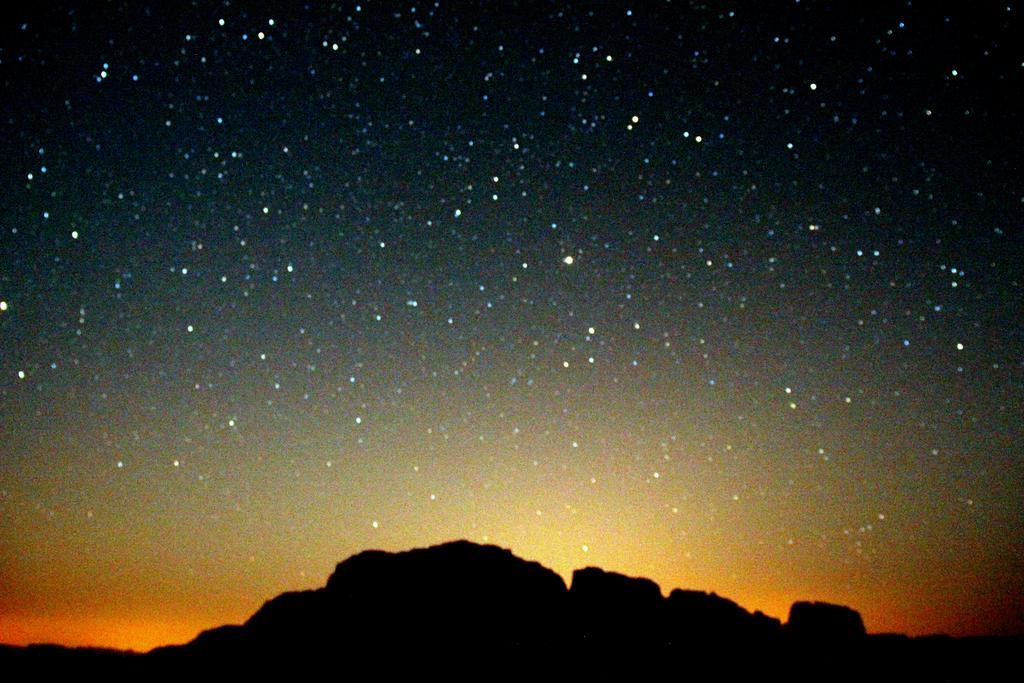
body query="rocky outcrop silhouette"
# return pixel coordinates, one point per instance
(476, 596)
(465, 597)
(477, 611)
(606, 609)
(707, 617)
(824, 621)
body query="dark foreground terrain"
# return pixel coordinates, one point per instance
(466, 611)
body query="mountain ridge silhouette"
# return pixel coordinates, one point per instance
(472, 594)
(461, 602)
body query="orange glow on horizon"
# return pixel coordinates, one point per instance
(142, 633)
(122, 633)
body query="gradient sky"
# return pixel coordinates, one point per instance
(727, 295)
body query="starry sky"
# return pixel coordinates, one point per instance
(723, 294)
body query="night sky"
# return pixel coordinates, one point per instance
(727, 295)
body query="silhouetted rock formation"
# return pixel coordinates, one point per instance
(478, 597)
(473, 611)
(465, 597)
(822, 621)
(608, 608)
(699, 616)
